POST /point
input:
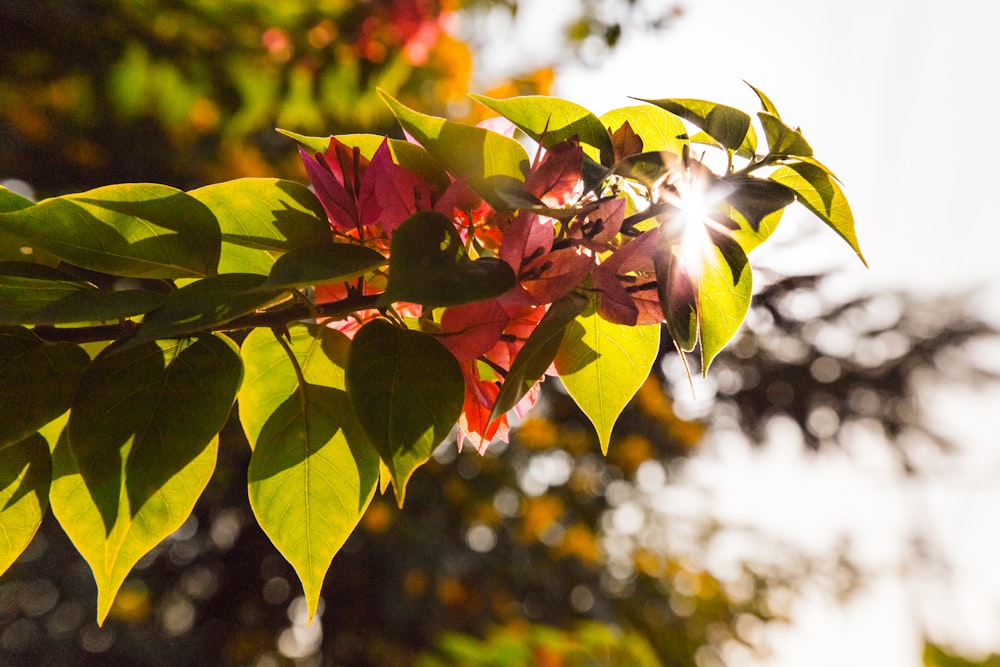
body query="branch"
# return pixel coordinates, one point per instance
(336, 310)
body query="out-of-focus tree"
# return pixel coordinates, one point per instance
(519, 546)
(200, 85)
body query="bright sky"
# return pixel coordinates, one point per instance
(898, 98)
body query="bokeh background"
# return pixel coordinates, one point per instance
(827, 497)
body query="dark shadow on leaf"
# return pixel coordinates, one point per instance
(26, 463)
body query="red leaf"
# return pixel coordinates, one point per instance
(341, 209)
(471, 330)
(391, 193)
(557, 179)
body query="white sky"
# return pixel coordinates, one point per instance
(899, 98)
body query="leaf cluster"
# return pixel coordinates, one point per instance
(417, 289)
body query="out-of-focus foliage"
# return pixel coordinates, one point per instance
(200, 85)
(833, 366)
(587, 645)
(936, 656)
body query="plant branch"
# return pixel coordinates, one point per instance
(278, 317)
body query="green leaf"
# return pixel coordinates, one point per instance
(14, 248)
(11, 201)
(262, 218)
(207, 303)
(659, 129)
(748, 237)
(313, 471)
(724, 291)
(25, 299)
(487, 160)
(25, 471)
(602, 365)
(429, 265)
(37, 381)
(136, 230)
(409, 156)
(554, 119)
(757, 198)
(408, 391)
(765, 101)
(321, 264)
(728, 126)
(818, 191)
(538, 352)
(138, 449)
(783, 140)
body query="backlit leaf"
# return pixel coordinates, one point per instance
(552, 121)
(539, 350)
(429, 265)
(37, 381)
(818, 191)
(138, 230)
(205, 304)
(262, 218)
(724, 292)
(25, 299)
(128, 475)
(313, 471)
(783, 140)
(25, 471)
(727, 125)
(324, 263)
(488, 161)
(407, 390)
(602, 365)
(659, 129)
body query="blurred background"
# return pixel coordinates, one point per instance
(828, 496)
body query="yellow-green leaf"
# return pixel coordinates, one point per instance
(602, 365)
(262, 218)
(818, 191)
(138, 449)
(313, 471)
(25, 471)
(140, 230)
(407, 390)
(489, 161)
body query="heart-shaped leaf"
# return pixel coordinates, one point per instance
(125, 478)
(429, 265)
(137, 230)
(602, 365)
(407, 390)
(313, 470)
